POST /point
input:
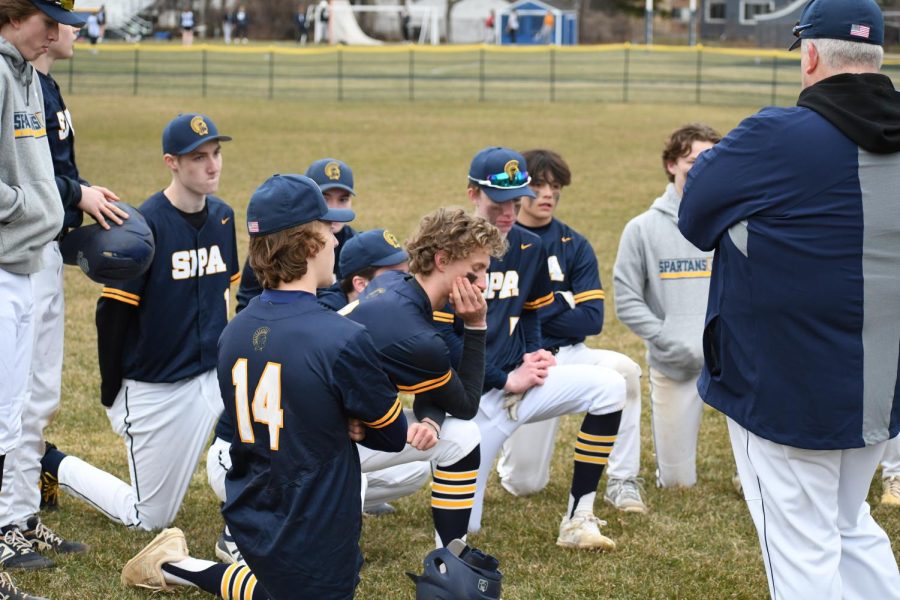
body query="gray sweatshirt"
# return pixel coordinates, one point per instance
(31, 212)
(661, 284)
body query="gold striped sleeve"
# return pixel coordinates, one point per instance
(389, 417)
(540, 302)
(235, 278)
(121, 296)
(443, 317)
(426, 386)
(590, 295)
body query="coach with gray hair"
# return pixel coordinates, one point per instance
(802, 334)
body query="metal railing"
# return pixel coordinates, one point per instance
(609, 73)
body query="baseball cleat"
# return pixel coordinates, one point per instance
(891, 495)
(44, 539)
(145, 569)
(17, 553)
(583, 531)
(226, 548)
(49, 486)
(625, 495)
(9, 591)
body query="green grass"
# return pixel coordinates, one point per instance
(409, 159)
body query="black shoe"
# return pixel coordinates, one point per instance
(43, 538)
(9, 591)
(17, 553)
(49, 486)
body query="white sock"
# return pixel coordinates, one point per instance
(188, 564)
(585, 504)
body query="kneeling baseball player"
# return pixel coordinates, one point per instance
(301, 383)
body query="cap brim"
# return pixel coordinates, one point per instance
(200, 142)
(61, 15)
(795, 45)
(338, 215)
(337, 186)
(392, 259)
(507, 194)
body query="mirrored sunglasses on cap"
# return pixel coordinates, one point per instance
(798, 29)
(503, 181)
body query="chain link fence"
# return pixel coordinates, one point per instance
(482, 73)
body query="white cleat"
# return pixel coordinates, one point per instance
(145, 569)
(583, 531)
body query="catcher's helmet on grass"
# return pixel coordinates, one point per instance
(119, 253)
(458, 572)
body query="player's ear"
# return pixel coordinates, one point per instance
(441, 261)
(171, 161)
(360, 283)
(670, 168)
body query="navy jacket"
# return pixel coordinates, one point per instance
(802, 334)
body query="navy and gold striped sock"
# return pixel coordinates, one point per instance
(592, 449)
(452, 496)
(230, 582)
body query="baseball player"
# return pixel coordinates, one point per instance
(518, 284)
(661, 283)
(156, 366)
(577, 312)
(802, 330)
(78, 196)
(335, 179)
(449, 255)
(31, 216)
(365, 256)
(298, 533)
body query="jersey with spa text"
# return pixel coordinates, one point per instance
(183, 297)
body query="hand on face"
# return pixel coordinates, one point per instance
(468, 302)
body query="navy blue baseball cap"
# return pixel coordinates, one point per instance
(284, 201)
(501, 173)
(375, 248)
(185, 133)
(850, 20)
(331, 173)
(60, 11)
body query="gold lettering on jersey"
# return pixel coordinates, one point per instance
(502, 285)
(556, 272)
(197, 263)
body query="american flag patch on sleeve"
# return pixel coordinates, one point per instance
(860, 31)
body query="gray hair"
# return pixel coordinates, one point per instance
(839, 55)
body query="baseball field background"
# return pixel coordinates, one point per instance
(409, 158)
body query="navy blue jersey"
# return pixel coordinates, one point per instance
(250, 287)
(397, 313)
(183, 297)
(517, 286)
(291, 372)
(572, 267)
(61, 137)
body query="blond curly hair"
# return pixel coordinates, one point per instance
(456, 233)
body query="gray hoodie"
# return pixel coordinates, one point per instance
(31, 211)
(661, 284)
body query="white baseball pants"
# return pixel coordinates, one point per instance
(676, 412)
(42, 399)
(524, 465)
(809, 507)
(165, 427)
(382, 485)
(16, 340)
(568, 389)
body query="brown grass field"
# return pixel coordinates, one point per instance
(409, 159)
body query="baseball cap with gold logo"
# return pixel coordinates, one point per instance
(330, 173)
(60, 11)
(185, 133)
